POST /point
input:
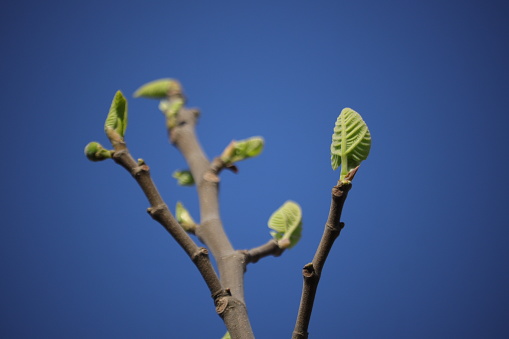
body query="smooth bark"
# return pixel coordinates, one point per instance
(312, 272)
(230, 263)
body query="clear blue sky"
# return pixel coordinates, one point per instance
(424, 253)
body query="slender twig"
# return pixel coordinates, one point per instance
(160, 212)
(269, 248)
(312, 271)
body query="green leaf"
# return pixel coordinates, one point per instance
(184, 177)
(117, 117)
(227, 336)
(96, 152)
(351, 142)
(242, 149)
(158, 89)
(287, 224)
(184, 218)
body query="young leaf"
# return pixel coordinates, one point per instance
(184, 178)
(226, 336)
(96, 152)
(184, 218)
(117, 117)
(242, 149)
(351, 142)
(158, 89)
(287, 224)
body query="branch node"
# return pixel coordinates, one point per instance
(210, 176)
(221, 293)
(119, 153)
(221, 305)
(156, 211)
(201, 252)
(308, 271)
(138, 170)
(334, 228)
(195, 112)
(341, 189)
(284, 244)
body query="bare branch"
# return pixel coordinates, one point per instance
(312, 271)
(231, 263)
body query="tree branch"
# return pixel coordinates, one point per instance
(231, 263)
(312, 271)
(227, 307)
(269, 248)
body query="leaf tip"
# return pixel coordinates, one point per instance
(158, 89)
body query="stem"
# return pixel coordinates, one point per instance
(312, 271)
(270, 248)
(231, 263)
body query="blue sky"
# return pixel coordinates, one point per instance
(424, 252)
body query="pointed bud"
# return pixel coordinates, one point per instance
(242, 149)
(184, 178)
(184, 218)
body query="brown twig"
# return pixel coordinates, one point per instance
(312, 271)
(160, 212)
(269, 248)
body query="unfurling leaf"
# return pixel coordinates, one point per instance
(116, 121)
(242, 149)
(184, 218)
(158, 89)
(351, 142)
(96, 152)
(287, 224)
(184, 178)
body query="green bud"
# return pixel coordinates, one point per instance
(116, 121)
(184, 218)
(184, 177)
(242, 149)
(96, 152)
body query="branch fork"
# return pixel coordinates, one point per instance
(227, 286)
